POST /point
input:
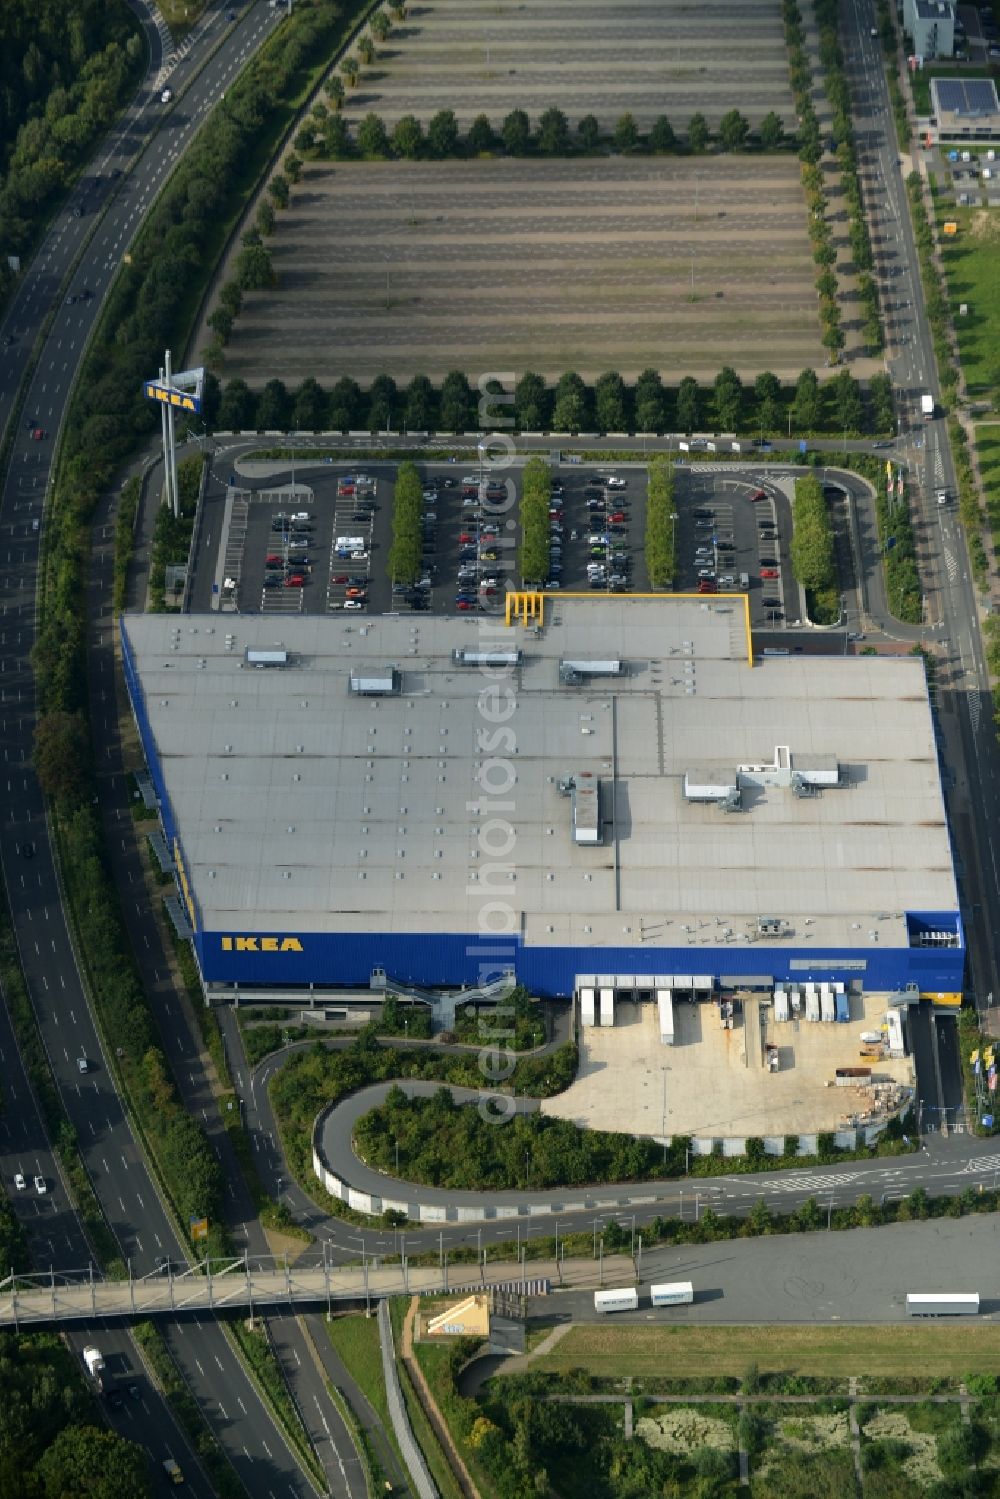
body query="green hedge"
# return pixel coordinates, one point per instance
(660, 560)
(814, 563)
(405, 551)
(536, 494)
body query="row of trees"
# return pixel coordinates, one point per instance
(899, 553)
(326, 135)
(536, 491)
(611, 404)
(660, 523)
(65, 71)
(407, 537)
(813, 561)
(839, 95)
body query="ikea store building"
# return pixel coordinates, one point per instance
(607, 790)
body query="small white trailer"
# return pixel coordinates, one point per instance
(623, 1299)
(679, 1293)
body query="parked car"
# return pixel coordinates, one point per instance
(769, 572)
(41, 1185)
(758, 495)
(19, 1181)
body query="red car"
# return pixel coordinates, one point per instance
(356, 593)
(345, 489)
(295, 580)
(758, 494)
(467, 539)
(617, 518)
(707, 586)
(464, 604)
(37, 434)
(770, 572)
(273, 560)
(339, 578)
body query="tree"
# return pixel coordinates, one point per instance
(456, 403)
(279, 190)
(481, 136)
(626, 136)
(806, 405)
(688, 404)
(588, 133)
(442, 134)
(771, 132)
(334, 90)
(345, 405)
(516, 133)
(728, 399)
(419, 416)
(610, 403)
(734, 131)
(264, 217)
(85, 1463)
(372, 137)
(571, 404)
(650, 402)
(61, 755)
(336, 138)
(847, 401)
(553, 133)
(309, 407)
(366, 50)
(531, 402)
(274, 409)
(407, 137)
(661, 137)
(351, 69)
(832, 340)
(231, 298)
(238, 409)
(382, 399)
(253, 270)
(293, 167)
(698, 134)
(380, 26)
(767, 389)
(221, 322)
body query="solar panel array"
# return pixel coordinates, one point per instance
(967, 96)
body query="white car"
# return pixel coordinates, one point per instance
(302, 515)
(353, 604)
(942, 497)
(19, 1181)
(40, 1186)
(613, 482)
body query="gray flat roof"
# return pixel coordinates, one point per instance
(301, 806)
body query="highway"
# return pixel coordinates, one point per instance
(144, 148)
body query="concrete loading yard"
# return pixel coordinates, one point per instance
(716, 1083)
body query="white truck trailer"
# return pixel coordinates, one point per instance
(679, 1293)
(623, 1299)
(927, 408)
(942, 1303)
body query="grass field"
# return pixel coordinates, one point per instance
(970, 260)
(988, 449)
(683, 264)
(356, 1340)
(691, 1352)
(652, 57)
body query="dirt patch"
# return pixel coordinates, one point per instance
(679, 264)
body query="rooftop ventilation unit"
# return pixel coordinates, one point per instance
(262, 659)
(572, 672)
(388, 684)
(487, 658)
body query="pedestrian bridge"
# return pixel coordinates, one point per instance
(249, 1285)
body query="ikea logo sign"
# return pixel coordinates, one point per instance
(261, 944)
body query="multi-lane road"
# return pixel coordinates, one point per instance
(84, 253)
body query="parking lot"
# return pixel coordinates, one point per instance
(728, 540)
(324, 545)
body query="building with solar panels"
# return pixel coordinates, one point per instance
(966, 109)
(930, 25)
(613, 787)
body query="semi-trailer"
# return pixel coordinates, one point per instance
(679, 1293)
(927, 407)
(942, 1303)
(621, 1299)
